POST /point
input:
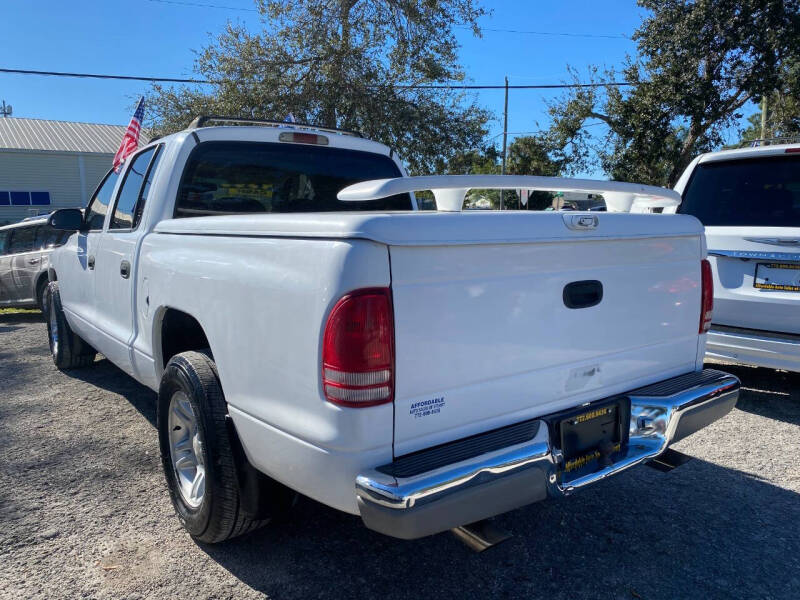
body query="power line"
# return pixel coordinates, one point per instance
(493, 30)
(99, 76)
(422, 86)
(556, 33)
(203, 5)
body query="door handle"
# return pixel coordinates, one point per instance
(90, 261)
(125, 269)
(33, 261)
(583, 294)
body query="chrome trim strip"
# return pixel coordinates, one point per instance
(758, 334)
(794, 256)
(653, 426)
(775, 241)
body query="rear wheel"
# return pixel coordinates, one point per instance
(198, 453)
(69, 351)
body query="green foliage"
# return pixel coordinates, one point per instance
(524, 156)
(529, 155)
(783, 110)
(699, 62)
(479, 161)
(334, 64)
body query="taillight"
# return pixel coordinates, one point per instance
(358, 349)
(707, 302)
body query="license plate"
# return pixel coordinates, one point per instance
(588, 435)
(778, 276)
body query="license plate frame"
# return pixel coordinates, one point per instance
(779, 285)
(579, 432)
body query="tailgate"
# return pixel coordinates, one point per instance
(484, 336)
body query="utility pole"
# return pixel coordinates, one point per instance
(5, 111)
(505, 138)
(764, 117)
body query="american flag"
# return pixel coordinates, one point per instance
(130, 141)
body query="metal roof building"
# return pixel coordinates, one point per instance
(46, 165)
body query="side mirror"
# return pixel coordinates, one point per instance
(66, 219)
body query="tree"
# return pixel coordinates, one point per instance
(783, 110)
(529, 155)
(699, 63)
(526, 155)
(476, 161)
(342, 63)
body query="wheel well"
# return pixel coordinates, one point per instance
(41, 282)
(180, 332)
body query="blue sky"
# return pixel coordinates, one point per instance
(156, 37)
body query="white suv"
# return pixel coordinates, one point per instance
(749, 201)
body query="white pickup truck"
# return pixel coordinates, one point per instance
(309, 333)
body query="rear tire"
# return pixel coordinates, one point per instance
(67, 348)
(196, 451)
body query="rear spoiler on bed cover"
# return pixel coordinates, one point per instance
(450, 190)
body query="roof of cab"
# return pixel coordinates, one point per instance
(751, 152)
(271, 133)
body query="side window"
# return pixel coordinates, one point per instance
(132, 194)
(47, 237)
(3, 242)
(98, 205)
(62, 237)
(22, 240)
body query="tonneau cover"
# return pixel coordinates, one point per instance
(436, 228)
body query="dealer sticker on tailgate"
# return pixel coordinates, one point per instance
(778, 276)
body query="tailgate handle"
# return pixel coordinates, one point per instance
(583, 294)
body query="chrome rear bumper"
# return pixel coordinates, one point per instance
(457, 483)
(753, 347)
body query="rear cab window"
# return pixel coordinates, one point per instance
(757, 192)
(223, 178)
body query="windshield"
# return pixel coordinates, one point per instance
(246, 177)
(760, 192)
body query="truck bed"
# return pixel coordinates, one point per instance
(483, 336)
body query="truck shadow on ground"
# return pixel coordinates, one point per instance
(107, 376)
(700, 531)
(766, 392)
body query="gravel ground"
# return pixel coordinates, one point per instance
(84, 511)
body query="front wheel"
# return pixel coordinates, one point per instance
(66, 347)
(196, 451)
